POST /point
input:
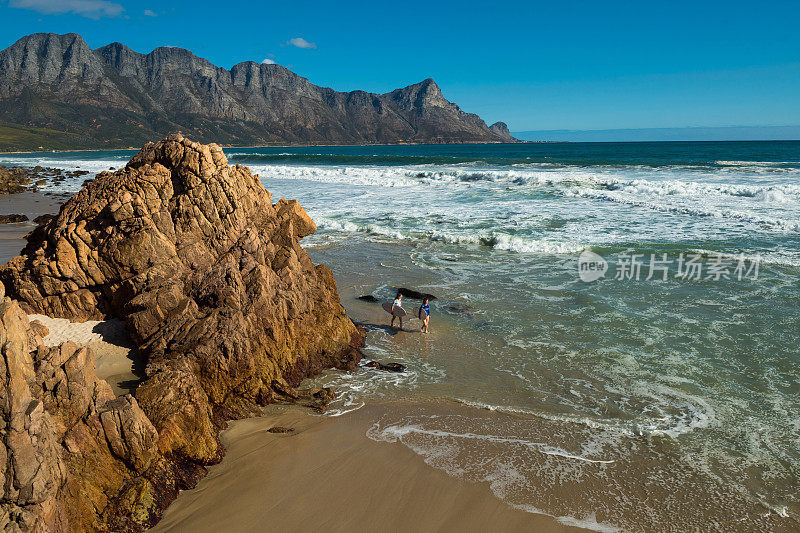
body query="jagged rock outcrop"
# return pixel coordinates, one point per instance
(226, 308)
(62, 428)
(115, 97)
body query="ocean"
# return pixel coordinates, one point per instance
(615, 340)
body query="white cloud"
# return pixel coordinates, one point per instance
(268, 61)
(150, 13)
(299, 42)
(93, 9)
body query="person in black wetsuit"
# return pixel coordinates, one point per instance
(425, 308)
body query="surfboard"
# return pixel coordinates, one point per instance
(422, 315)
(398, 311)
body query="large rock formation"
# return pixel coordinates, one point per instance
(227, 309)
(68, 446)
(56, 92)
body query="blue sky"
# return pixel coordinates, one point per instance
(534, 65)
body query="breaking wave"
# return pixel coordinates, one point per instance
(492, 239)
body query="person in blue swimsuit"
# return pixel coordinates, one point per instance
(426, 308)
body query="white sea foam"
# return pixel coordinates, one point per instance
(756, 163)
(492, 239)
(671, 413)
(782, 257)
(440, 448)
(695, 209)
(394, 433)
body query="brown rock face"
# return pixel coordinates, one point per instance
(226, 307)
(66, 440)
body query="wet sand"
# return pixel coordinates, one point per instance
(29, 203)
(328, 474)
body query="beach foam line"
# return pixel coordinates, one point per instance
(755, 163)
(772, 258)
(394, 433)
(400, 171)
(672, 426)
(587, 522)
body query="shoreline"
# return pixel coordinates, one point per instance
(30, 203)
(334, 145)
(327, 473)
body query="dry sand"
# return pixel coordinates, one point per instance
(328, 475)
(114, 352)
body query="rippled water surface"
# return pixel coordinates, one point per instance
(669, 402)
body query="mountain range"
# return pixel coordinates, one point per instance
(56, 92)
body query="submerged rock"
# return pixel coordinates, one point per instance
(415, 295)
(13, 180)
(227, 310)
(43, 219)
(368, 298)
(388, 367)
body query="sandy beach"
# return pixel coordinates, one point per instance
(324, 473)
(115, 357)
(327, 474)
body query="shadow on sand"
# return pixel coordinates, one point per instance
(386, 328)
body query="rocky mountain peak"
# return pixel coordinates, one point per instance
(116, 97)
(501, 128)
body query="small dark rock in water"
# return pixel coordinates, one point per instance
(317, 398)
(7, 219)
(388, 367)
(415, 295)
(459, 308)
(368, 298)
(280, 429)
(43, 219)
